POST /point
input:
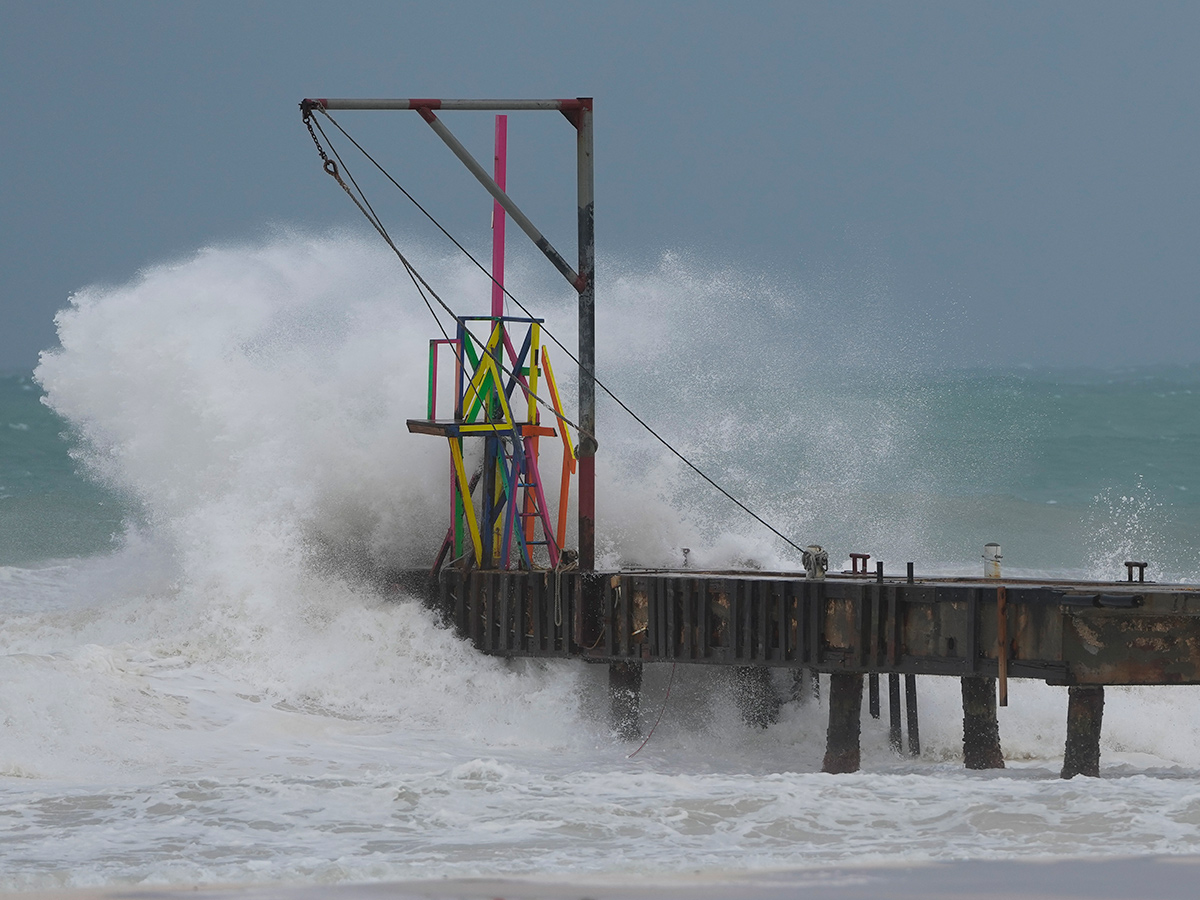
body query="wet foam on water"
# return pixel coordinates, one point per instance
(230, 695)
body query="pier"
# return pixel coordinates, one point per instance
(1082, 636)
(506, 580)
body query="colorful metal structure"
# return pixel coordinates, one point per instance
(491, 381)
(495, 398)
(578, 112)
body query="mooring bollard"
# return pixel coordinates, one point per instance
(1085, 710)
(625, 698)
(991, 560)
(756, 697)
(981, 731)
(842, 753)
(815, 561)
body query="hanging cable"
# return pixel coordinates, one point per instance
(661, 710)
(416, 276)
(364, 206)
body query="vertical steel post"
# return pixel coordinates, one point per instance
(501, 170)
(1002, 643)
(587, 338)
(910, 709)
(498, 541)
(895, 737)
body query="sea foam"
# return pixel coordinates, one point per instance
(233, 694)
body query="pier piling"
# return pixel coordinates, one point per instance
(1085, 710)
(910, 709)
(806, 685)
(756, 697)
(842, 753)
(981, 730)
(895, 734)
(625, 698)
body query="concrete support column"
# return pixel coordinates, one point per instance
(842, 753)
(981, 731)
(1085, 710)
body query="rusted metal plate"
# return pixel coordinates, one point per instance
(1115, 647)
(1035, 626)
(841, 623)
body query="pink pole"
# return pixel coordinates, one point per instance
(501, 160)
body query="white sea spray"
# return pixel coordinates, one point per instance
(231, 695)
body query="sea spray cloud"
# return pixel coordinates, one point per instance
(226, 680)
(276, 377)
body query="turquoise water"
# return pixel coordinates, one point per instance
(1068, 469)
(1072, 472)
(1064, 467)
(48, 509)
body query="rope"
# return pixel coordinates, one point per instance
(412, 273)
(661, 710)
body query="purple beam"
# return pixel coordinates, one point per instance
(547, 529)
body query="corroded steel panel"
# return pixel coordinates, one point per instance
(1131, 648)
(840, 621)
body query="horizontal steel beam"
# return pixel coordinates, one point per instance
(430, 103)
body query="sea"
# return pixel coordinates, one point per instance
(204, 680)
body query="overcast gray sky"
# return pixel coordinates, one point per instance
(1019, 175)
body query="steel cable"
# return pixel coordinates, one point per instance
(412, 273)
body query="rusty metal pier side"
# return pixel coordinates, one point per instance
(1080, 635)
